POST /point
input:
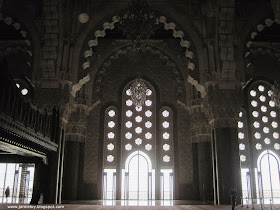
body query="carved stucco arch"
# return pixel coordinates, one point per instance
(260, 27)
(10, 22)
(247, 36)
(30, 38)
(181, 76)
(167, 26)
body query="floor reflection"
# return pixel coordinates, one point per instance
(15, 200)
(138, 202)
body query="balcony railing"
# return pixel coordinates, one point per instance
(14, 106)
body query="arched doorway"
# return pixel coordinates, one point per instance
(268, 174)
(138, 177)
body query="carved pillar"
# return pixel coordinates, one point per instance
(223, 106)
(73, 160)
(202, 163)
(55, 128)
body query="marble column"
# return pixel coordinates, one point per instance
(205, 175)
(202, 153)
(73, 159)
(222, 102)
(226, 163)
(71, 170)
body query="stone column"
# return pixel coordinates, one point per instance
(73, 160)
(202, 163)
(71, 169)
(223, 106)
(205, 175)
(52, 178)
(40, 181)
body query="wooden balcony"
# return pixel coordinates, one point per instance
(24, 129)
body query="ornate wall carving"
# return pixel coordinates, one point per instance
(223, 103)
(184, 147)
(200, 128)
(226, 48)
(92, 156)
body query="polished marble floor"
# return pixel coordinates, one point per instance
(133, 205)
(138, 202)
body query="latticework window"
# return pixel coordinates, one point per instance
(135, 150)
(138, 123)
(258, 135)
(166, 136)
(110, 137)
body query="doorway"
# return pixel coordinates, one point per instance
(138, 177)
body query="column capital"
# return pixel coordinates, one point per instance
(76, 127)
(201, 130)
(223, 103)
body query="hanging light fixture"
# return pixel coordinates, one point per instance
(138, 92)
(138, 22)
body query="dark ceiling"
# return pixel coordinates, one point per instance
(29, 9)
(8, 32)
(269, 34)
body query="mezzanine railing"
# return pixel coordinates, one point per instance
(13, 106)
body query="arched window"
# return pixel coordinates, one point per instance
(258, 133)
(242, 128)
(143, 150)
(110, 152)
(167, 151)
